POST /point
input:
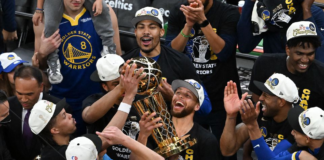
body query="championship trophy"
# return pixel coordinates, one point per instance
(165, 136)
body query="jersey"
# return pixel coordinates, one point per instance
(78, 54)
(274, 132)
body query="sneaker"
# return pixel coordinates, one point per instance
(54, 73)
(108, 50)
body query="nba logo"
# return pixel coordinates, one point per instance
(74, 158)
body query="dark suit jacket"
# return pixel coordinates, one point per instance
(13, 133)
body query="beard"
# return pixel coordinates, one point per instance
(185, 112)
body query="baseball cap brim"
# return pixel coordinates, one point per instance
(13, 65)
(180, 83)
(95, 139)
(303, 36)
(262, 87)
(59, 106)
(293, 118)
(95, 76)
(141, 18)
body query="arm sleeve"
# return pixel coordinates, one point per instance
(8, 15)
(227, 31)
(282, 146)
(206, 107)
(246, 41)
(318, 20)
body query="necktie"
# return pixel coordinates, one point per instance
(27, 134)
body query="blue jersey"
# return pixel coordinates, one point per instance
(78, 54)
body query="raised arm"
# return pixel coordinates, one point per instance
(232, 138)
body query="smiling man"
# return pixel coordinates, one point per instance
(21, 143)
(299, 65)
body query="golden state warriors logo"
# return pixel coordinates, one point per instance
(264, 131)
(265, 15)
(77, 50)
(11, 57)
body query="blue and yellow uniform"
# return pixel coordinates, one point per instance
(78, 55)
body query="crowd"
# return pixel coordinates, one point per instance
(75, 100)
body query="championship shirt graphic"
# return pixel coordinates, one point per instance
(202, 54)
(77, 50)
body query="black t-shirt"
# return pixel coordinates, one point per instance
(214, 71)
(274, 132)
(310, 84)
(54, 153)
(174, 65)
(131, 127)
(206, 148)
(319, 156)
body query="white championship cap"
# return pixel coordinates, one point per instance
(85, 147)
(280, 86)
(301, 29)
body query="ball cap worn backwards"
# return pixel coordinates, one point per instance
(309, 122)
(301, 29)
(85, 147)
(192, 85)
(280, 86)
(148, 13)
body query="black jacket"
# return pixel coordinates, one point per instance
(13, 134)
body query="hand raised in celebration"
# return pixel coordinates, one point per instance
(249, 114)
(232, 101)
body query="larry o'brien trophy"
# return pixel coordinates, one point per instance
(165, 136)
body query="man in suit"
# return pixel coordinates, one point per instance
(21, 143)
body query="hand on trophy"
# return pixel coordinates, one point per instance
(131, 81)
(148, 123)
(166, 90)
(232, 101)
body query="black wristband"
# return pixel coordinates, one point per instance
(204, 23)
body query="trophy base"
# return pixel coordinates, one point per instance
(179, 145)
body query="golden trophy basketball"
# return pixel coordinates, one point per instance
(165, 136)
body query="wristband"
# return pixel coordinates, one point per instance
(39, 9)
(124, 107)
(204, 24)
(296, 155)
(186, 36)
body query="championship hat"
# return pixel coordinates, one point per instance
(301, 29)
(9, 61)
(107, 68)
(192, 85)
(42, 112)
(85, 147)
(148, 13)
(280, 86)
(309, 122)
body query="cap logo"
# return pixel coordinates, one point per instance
(154, 12)
(305, 120)
(11, 57)
(49, 107)
(275, 82)
(195, 84)
(74, 158)
(272, 82)
(264, 131)
(312, 27)
(265, 15)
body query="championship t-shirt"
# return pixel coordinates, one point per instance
(131, 127)
(78, 55)
(310, 84)
(214, 70)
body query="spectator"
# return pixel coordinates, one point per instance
(188, 98)
(148, 24)
(307, 130)
(274, 41)
(9, 63)
(100, 108)
(8, 25)
(299, 65)
(21, 143)
(78, 54)
(279, 93)
(207, 31)
(4, 121)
